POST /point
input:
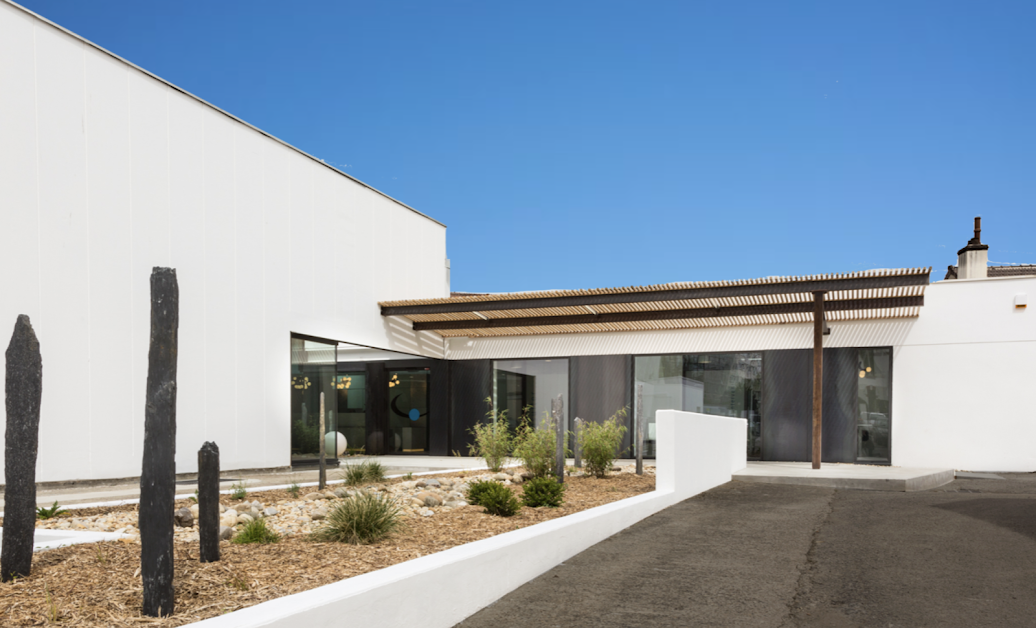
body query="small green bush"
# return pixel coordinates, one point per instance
(498, 500)
(536, 446)
(361, 519)
(478, 488)
(50, 513)
(492, 439)
(543, 492)
(294, 489)
(600, 443)
(365, 472)
(256, 532)
(239, 491)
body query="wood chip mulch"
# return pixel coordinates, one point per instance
(98, 584)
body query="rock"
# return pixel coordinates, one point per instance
(245, 519)
(500, 477)
(225, 533)
(270, 512)
(228, 522)
(312, 497)
(183, 518)
(428, 499)
(329, 495)
(341, 493)
(417, 503)
(230, 512)
(256, 505)
(254, 514)
(526, 476)
(516, 479)
(454, 496)
(194, 510)
(304, 520)
(460, 503)
(430, 482)
(462, 488)
(222, 508)
(318, 514)
(616, 469)
(447, 482)
(425, 512)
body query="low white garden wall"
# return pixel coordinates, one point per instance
(695, 452)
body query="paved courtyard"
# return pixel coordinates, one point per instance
(779, 555)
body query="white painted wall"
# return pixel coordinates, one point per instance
(107, 171)
(961, 370)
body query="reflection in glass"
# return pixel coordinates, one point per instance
(518, 384)
(724, 384)
(313, 368)
(408, 411)
(352, 408)
(874, 410)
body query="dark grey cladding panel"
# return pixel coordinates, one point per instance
(599, 386)
(839, 427)
(439, 408)
(470, 384)
(787, 423)
(787, 405)
(377, 407)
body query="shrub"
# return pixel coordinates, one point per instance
(498, 500)
(600, 443)
(479, 488)
(361, 519)
(543, 492)
(239, 491)
(50, 513)
(364, 472)
(492, 439)
(256, 532)
(536, 447)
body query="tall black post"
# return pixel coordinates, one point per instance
(577, 450)
(557, 411)
(639, 418)
(322, 479)
(158, 475)
(24, 392)
(208, 502)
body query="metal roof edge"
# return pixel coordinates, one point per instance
(207, 103)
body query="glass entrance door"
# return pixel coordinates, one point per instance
(408, 411)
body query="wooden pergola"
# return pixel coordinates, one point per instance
(819, 299)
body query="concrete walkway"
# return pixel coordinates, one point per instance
(753, 554)
(855, 476)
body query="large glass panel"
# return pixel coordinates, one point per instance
(408, 411)
(313, 367)
(873, 419)
(518, 384)
(724, 384)
(352, 408)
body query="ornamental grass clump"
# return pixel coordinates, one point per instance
(498, 500)
(256, 532)
(493, 439)
(543, 492)
(536, 446)
(368, 471)
(600, 443)
(362, 519)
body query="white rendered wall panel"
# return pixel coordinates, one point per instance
(322, 242)
(112, 406)
(64, 250)
(220, 290)
(303, 235)
(249, 331)
(187, 252)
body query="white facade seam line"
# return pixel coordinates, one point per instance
(409, 593)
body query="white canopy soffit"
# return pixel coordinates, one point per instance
(871, 294)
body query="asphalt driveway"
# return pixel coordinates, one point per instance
(775, 555)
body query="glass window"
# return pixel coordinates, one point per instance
(408, 411)
(724, 384)
(874, 408)
(313, 366)
(352, 408)
(520, 384)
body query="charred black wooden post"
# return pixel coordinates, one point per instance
(556, 410)
(208, 502)
(640, 429)
(158, 476)
(322, 480)
(818, 373)
(24, 391)
(577, 451)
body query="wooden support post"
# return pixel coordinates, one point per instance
(322, 480)
(208, 503)
(640, 429)
(577, 453)
(158, 473)
(557, 412)
(818, 374)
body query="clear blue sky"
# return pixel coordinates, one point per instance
(594, 144)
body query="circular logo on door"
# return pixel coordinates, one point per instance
(415, 414)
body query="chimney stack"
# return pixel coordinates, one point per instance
(973, 258)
